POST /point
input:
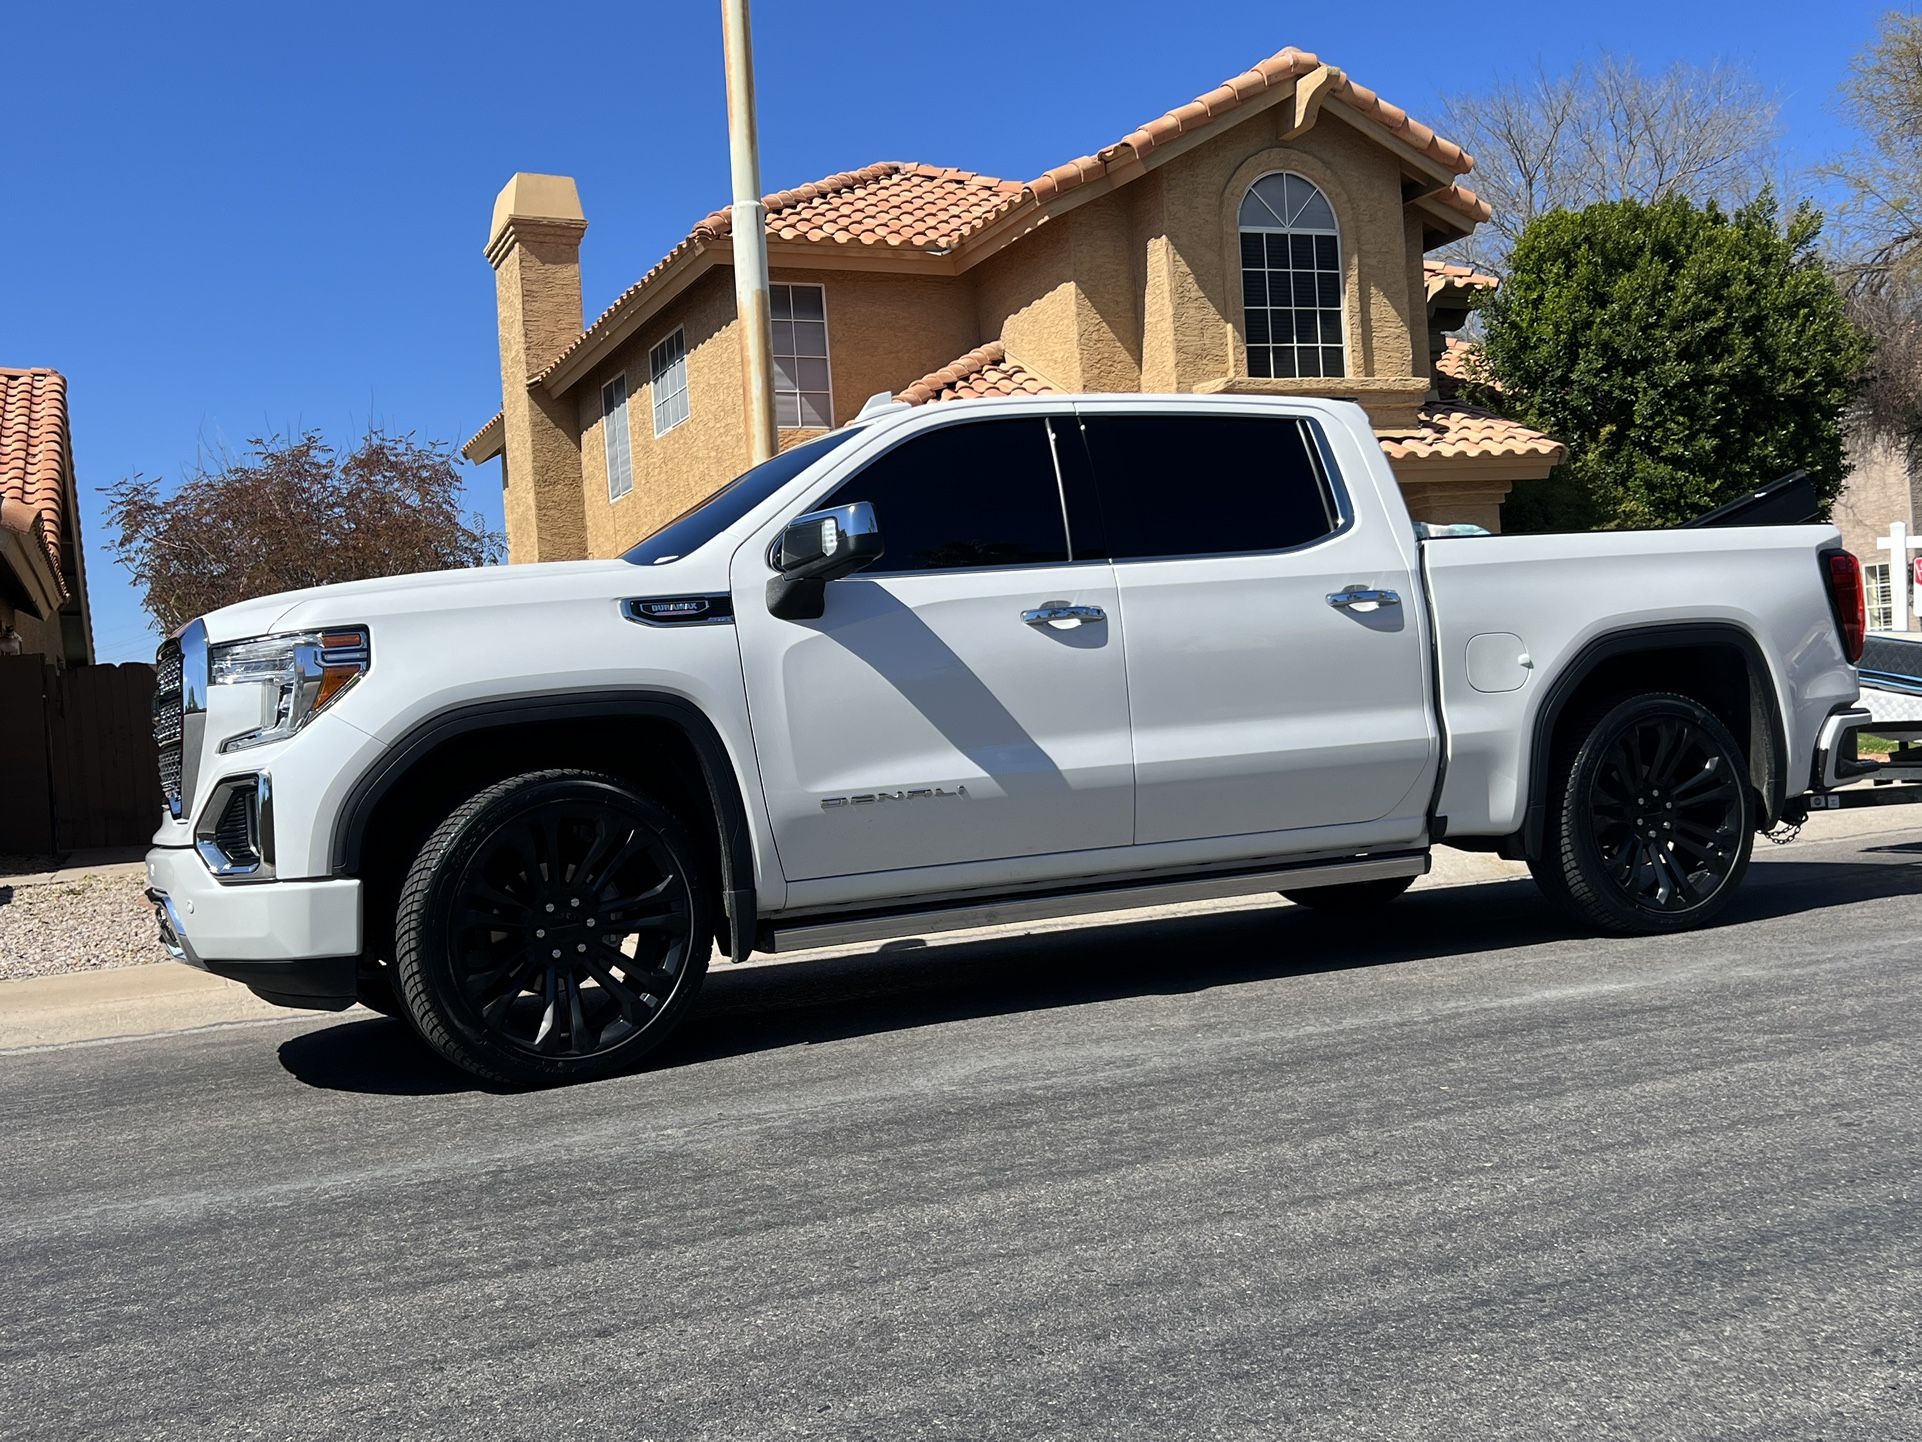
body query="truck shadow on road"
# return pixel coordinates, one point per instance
(912, 984)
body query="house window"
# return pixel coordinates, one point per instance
(614, 438)
(1880, 596)
(802, 396)
(667, 377)
(1291, 279)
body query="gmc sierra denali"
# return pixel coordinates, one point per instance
(965, 664)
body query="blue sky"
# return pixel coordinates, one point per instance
(223, 221)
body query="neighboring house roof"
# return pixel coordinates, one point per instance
(931, 209)
(1441, 275)
(982, 373)
(1455, 432)
(1460, 361)
(34, 446)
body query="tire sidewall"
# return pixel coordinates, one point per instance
(428, 967)
(1591, 756)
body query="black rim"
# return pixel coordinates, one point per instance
(1665, 810)
(572, 927)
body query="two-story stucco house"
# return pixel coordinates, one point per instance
(1268, 237)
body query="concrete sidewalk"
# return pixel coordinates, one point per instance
(133, 1002)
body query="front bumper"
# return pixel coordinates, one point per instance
(296, 943)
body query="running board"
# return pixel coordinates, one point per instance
(847, 930)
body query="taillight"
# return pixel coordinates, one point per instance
(1844, 574)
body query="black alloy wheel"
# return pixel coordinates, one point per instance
(1653, 822)
(552, 929)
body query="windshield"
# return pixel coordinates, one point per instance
(691, 530)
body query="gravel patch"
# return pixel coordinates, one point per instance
(87, 922)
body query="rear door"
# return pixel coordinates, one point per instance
(1265, 701)
(931, 716)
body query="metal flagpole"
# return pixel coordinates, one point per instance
(750, 235)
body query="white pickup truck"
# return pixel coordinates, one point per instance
(971, 664)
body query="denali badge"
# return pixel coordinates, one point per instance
(870, 798)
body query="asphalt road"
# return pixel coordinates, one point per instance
(1453, 1174)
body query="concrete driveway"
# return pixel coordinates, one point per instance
(1244, 1174)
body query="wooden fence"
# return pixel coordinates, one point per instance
(77, 762)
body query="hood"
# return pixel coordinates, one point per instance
(481, 588)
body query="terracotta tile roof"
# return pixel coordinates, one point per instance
(894, 204)
(983, 372)
(1204, 110)
(33, 457)
(1460, 360)
(1459, 432)
(485, 443)
(1461, 198)
(1441, 275)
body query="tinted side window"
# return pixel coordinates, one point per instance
(977, 494)
(1203, 485)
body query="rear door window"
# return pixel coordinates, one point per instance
(1207, 485)
(981, 493)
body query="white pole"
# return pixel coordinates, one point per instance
(750, 235)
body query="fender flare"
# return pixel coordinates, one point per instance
(1768, 773)
(717, 772)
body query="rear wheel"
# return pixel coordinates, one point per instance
(1352, 898)
(1651, 818)
(554, 928)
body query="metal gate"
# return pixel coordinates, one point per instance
(77, 763)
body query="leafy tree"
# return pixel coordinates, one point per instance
(1685, 355)
(293, 513)
(1606, 130)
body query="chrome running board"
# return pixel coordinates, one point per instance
(803, 934)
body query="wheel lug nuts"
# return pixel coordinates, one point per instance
(590, 921)
(582, 946)
(539, 932)
(550, 906)
(575, 902)
(557, 953)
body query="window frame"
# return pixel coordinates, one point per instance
(1320, 454)
(607, 436)
(1341, 273)
(859, 464)
(654, 381)
(826, 356)
(1871, 585)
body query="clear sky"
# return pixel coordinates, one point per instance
(225, 221)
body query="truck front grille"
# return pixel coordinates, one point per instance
(167, 706)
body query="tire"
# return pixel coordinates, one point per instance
(555, 928)
(1352, 898)
(1651, 818)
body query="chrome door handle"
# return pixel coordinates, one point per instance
(1049, 612)
(1361, 596)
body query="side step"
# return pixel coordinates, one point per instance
(804, 934)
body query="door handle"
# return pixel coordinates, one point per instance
(1361, 596)
(1049, 613)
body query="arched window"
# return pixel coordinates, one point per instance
(1291, 279)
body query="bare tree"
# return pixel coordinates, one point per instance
(1879, 256)
(1607, 131)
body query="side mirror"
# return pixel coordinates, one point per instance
(819, 547)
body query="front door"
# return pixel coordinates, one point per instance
(928, 717)
(1260, 707)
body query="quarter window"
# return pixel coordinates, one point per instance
(1201, 485)
(1291, 279)
(667, 380)
(614, 438)
(982, 493)
(802, 394)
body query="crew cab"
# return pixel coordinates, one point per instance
(964, 664)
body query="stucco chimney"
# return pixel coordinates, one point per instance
(535, 249)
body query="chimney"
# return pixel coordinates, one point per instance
(535, 249)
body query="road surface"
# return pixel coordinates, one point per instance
(1454, 1174)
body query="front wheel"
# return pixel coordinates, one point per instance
(1651, 818)
(554, 928)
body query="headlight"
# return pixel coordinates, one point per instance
(302, 673)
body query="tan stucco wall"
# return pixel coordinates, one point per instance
(883, 332)
(538, 306)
